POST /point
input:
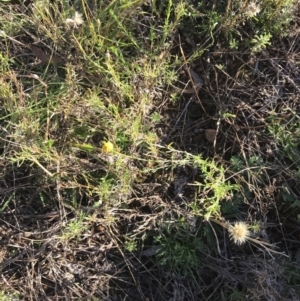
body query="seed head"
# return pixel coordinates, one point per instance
(76, 20)
(252, 9)
(239, 233)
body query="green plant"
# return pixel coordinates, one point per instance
(260, 42)
(8, 297)
(286, 134)
(255, 227)
(130, 244)
(213, 189)
(235, 295)
(179, 252)
(75, 228)
(233, 43)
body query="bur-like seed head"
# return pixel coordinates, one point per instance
(76, 20)
(252, 9)
(239, 233)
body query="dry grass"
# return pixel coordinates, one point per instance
(132, 148)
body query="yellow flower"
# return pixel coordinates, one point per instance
(239, 233)
(107, 147)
